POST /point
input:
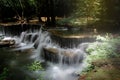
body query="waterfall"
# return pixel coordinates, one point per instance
(2, 31)
(70, 63)
(42, 40)
(64, 63)
(26, 40)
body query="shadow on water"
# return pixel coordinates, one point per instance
(14, 61)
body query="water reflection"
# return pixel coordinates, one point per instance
(15, 62)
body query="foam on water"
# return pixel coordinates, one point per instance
(55, 71)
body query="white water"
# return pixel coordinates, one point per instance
(55, 71)
(63, 71)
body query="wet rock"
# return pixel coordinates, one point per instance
(72, 41)
(65, 56)
(7, 43)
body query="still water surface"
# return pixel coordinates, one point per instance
(15, 61)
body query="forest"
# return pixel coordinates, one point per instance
(95, 13)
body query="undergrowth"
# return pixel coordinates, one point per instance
(105, 47)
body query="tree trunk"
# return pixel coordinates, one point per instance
(52, 8)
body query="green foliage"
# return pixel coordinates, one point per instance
(89, 68)
(36, 65)
(87, 12)
(103, 10)
(106, 48)
(93, 12)
(4, 74)
(89, 8)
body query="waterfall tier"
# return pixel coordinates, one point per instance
(64, 55)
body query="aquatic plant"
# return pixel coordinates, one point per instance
(36, 65)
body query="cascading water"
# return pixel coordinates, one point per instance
(42, 40)
(26, 40)
(69, 63)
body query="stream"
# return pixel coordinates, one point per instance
(63, 63)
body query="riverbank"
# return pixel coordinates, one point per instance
(107, 69)
(103, 59)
